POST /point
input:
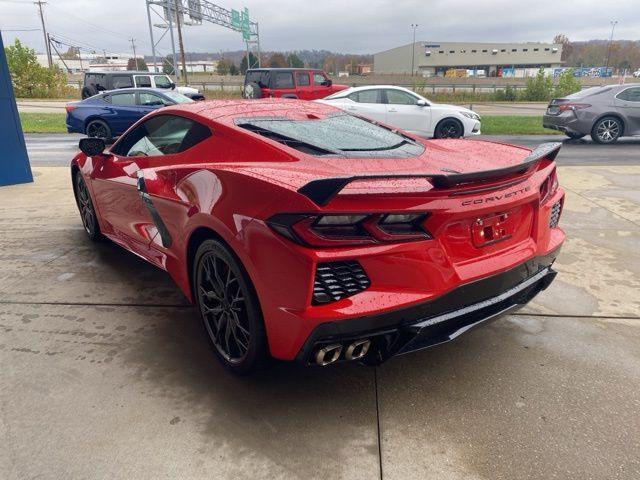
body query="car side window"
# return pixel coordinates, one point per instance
(123, 98)
(161, 135)
(630, 95)
(319, 79)
(122, 81)
(302, 79)
(143, 81)
(283, 80)
(367, 96)
(151, 100)
(162, 81)
(398, 97)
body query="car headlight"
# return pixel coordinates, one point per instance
(471, 115)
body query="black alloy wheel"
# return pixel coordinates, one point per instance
(606, 130)
(228, 308)
(87, 212)
(449, 128)
(99, 129)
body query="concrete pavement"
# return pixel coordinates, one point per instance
(106, 374)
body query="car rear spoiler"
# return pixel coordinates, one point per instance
(323, 190)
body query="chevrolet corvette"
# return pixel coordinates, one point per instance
(308, 234)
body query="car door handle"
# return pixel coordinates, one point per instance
(392, 110)
(351, 108)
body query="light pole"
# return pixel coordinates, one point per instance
(413, 48)
(613, 26)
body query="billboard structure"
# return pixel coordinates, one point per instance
(197, 12)
(14, 161)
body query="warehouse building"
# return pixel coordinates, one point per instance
(458, 59)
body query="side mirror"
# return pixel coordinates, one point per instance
(421, 103)
(92, 146)
(328, 82)
(173, 86)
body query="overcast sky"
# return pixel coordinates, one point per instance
(355, 26)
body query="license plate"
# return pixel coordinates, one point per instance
(489, 230)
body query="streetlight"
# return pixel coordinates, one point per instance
(413, 48)
(613, 26)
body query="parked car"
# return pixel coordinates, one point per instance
(302, 83)
(312, 235)
(96, 82)
(636, 74)
(110, 114)
(404, 109)
(606, 113)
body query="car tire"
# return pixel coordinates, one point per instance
(607, 130)
(88, 91)
(228, 307)
(99, 129)
(85, 206)
(252, 90)
(449, 128)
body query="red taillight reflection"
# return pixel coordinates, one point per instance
(549, 186)
(68, 108)
(346, 230)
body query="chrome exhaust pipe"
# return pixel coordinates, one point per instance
(328, 354)
(357, 349)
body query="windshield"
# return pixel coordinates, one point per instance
(177, 97)
(338, 134)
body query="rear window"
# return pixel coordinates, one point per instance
(344, 135)
(588, 92)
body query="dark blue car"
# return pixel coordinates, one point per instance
(110, 114)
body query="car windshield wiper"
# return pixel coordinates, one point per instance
(376, 149)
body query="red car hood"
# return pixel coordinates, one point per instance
(440, 157)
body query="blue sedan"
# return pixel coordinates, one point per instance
(110, 114)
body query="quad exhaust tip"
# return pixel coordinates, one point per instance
(331, 353)
(357, 349)
(328, 354)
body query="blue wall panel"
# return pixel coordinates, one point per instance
(14, 162)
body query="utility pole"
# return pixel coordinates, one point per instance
(413, 49)
(613, 26)
(180, 44)
(133, 46)
(47, 47)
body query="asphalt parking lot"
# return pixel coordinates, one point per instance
(105, 372)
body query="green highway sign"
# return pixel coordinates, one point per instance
(235, 19)
(245, 24)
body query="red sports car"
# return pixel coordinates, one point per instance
(304, 233)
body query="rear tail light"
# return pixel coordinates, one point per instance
(549, 186)
(572, 106)
(351, 229)
(68, 108)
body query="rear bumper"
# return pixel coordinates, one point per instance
(437, 321)
(567, 122)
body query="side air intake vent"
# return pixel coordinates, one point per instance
(337, 280)
(554, 218)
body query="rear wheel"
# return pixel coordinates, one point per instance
(606, 130)
(228, 308)
(99, 129)
(449, 128)
(252, 90)
(85, 205)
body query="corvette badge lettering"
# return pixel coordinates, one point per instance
(495, 198)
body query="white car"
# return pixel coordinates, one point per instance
(636, 74)
(406, 110)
